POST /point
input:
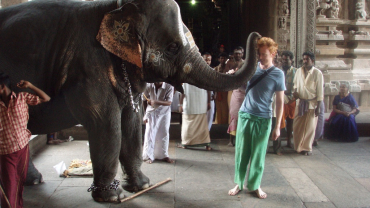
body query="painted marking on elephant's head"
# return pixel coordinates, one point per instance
(154, 57)
(190, 39)
(187, 68)
(121, 29)
(181, 27)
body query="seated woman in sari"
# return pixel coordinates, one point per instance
(342, 126)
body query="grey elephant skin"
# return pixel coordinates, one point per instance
(79, 53)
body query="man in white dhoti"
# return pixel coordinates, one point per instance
(194, 104)
(308, 82)
(157, 118)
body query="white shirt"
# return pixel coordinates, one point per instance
(309, 87)
(165, 93)
(195, 101)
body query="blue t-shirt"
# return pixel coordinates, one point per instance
(258, 100)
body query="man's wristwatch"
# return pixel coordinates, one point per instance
(180, 105)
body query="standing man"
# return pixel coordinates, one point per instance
(157, 119)
(222, 108)
(236, 96)
(14, 138)
(210, 113)
(287, 58)
(308, 83)
(254, 124)
(194, 104)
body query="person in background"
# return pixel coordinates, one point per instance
(210, 113)
(52, 138)
(308, 82)
(237, 95)
(14, 138)
(319, 132)
(216, 62)
(222, 108)
(194, 104)
(342, 123)
(287, 59)
(157, 121)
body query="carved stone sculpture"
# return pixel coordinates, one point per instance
(360, 11)
(334, 9)
(283, 8)
(322, 6)
(282, 23)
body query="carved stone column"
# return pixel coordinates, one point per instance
(283, 23)
(302, 27)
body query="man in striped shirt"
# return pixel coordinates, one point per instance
(14, 138)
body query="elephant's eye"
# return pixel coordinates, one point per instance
(173, 48)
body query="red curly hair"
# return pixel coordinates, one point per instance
(270, 43)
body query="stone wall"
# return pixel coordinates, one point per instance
(343, 48)
(338, 31)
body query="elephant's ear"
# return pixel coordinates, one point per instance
(118, 34)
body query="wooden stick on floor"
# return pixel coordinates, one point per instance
(145, 190)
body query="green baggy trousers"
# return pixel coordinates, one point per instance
(252, 135)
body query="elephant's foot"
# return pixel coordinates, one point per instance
(110, 193)
(33, 179)
(137, 183)
(108, 196)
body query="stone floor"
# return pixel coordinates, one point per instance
(337, 175)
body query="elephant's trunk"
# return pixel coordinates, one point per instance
(203, 76)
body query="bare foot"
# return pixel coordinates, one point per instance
(260, 193)
(208, 148)
(180, 146)
(149, 161)
(234, 191)
(279, 153)
(167, 159)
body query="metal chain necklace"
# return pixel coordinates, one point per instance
(135, 105)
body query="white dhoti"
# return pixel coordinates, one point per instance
(156, 138)
(194, 129)
(304, 131)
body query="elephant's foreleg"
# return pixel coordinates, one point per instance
(131, 151)
(104, 142)
(98, 111)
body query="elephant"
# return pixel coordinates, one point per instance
(94, 58)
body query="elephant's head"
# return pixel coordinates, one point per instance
(152, 36)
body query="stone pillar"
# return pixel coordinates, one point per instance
(302, 27)
(6, 3)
